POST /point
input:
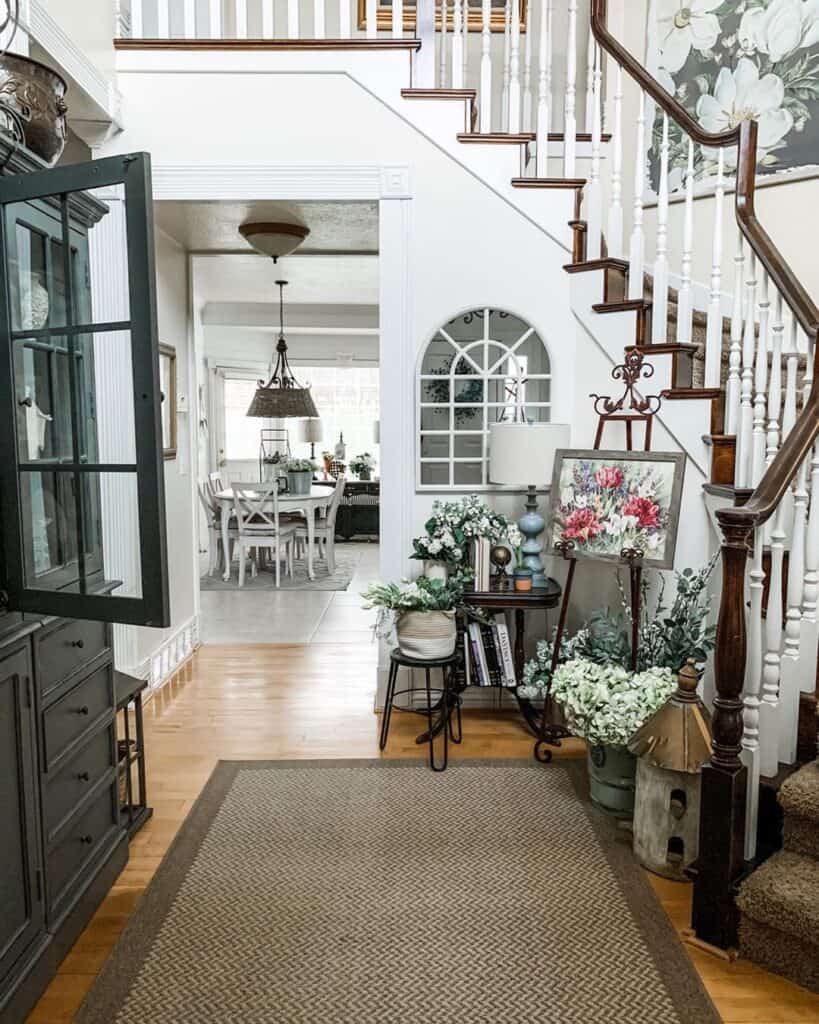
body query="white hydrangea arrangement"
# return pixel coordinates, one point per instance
(607, 704)
(453, 525)
(300, 466)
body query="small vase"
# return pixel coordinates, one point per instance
(299, 482)
(427, 636)
(523, 580)
(365, 474)
(434, 570)
(612, 779)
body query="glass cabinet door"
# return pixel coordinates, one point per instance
(81, 468)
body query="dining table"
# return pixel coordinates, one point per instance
(318, 498)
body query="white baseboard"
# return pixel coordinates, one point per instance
(170, 655)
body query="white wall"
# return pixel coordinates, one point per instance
(91, 24)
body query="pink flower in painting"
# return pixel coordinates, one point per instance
(582, 524)
(644, 510)
(609, 476)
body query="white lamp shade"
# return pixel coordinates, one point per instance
(523, 454)
(376, 431)
(312, 431)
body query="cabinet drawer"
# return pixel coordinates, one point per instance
(82, 841)
(76, 714)
(62, 650)
(77, 777)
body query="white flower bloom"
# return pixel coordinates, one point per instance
(683, 24)
(741, 95)
(615, 524)
(567, 496)
(434, 546)
(781, 28)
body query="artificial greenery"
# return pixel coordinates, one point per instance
(362, 463)
(300, 466)
(422, 595)
(453, 525)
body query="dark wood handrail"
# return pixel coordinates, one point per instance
(797, 446)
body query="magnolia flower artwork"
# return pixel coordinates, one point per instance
(606, 502)
(730, 60)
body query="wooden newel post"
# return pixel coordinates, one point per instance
(721, 859)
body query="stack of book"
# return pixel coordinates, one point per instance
(481, 563)
(488, 655)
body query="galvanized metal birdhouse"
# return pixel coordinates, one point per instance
(671, 748)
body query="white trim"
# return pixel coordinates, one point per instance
(47, 33)
(169, 657)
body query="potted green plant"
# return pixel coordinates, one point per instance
(363, 466)
(299, 475)
(419, 613)
(522, 574)
(445, 544)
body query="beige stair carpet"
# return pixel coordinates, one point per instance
(377, 892)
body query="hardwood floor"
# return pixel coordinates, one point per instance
(278, 702)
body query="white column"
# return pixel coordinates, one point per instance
(713, 333)
(465, 44)
(527, 71)
(614, 236)
(570, 117)
(514, 69)
(398, 19)
(753, 714)
(425, 58)
(784, 738)
(746, 410)
(442, 76)
(267, 19)
(371, 14)
(457, 45)
(685, 307)
(214, 19)
(659, 312)
(485, 96)
(318, 19)
(163, 19)
(507, 44)
(637, 246)
(137, 19)
(733, 389)
(594, 192)
(775, 381)
(591, 58)
(240, 18)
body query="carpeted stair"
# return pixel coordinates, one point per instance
(779, 903)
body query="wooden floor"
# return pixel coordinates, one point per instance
(278, 702)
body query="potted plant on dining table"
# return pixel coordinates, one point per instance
(299, 475)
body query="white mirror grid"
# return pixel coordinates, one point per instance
(482, 367)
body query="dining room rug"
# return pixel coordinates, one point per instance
(373, 892)
(266, 579)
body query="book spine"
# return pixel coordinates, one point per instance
(491, 654)
(506, 655)
(474, 643)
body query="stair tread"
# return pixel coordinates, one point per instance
(609, 263)
(799, 795)
(567, 183)
(626, 306)
(517, 138)
(664, 348)
(579, 137)
(784, 893)
(439, 94)
(691, 394)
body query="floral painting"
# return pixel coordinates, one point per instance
(606, 502)
(731, 60)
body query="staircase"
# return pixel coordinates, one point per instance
(779, 903)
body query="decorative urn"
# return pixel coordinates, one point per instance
(32, 105)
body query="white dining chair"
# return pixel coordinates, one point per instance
(325, 529)
(258, 526)
(213, 515)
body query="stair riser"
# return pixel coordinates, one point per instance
(802, 836)
(781, 953)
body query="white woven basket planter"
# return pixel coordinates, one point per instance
(426, 635)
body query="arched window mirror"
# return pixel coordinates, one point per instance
(482, 367)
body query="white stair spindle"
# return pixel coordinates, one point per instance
(760, 435)
(267, 20)
(527, 71)
(594, 193)
(189, 19)
(775, 381)
(811, 596)
(457, 55)
(752, 713)
(713, 332)
(784, 730)
(590, 62)
(371, 13)
(659, 312)
(570, 117)
(544, 89)
(485, 98)
(398, 19)
(685, 306)
(733, 388)
(240, 18)
(163, 19)
(796, 561)
(293, 18)
(514, 69)
(424, 64)
(442, 76)
(614, 236)
(318, 19)
(465, 43)
(746, 408)
(214, 19)
(137, 20)
(638, 244)
(507, 43)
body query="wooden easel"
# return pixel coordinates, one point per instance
(609, 410)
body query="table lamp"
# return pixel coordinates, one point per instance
(524, 454)
(313, 433)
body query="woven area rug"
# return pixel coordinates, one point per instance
(266, 580)
(375, 892)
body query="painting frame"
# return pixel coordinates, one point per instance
(666, 515)
(474, 20)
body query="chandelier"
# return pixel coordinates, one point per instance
(282, 397)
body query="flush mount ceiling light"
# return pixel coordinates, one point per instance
(282, 397)
(273, 239)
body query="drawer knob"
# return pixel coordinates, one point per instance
(83, 776)
(83, 710)
(78, 643)
(86, 840)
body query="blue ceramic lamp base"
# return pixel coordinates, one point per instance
(531, 525)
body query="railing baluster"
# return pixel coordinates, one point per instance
(398, 19)
(796, 560)
(752, 705)
(372, 19)
(594, 194)
(760, 435)
(240, 18)
(442, 54)
(137, 20)
(318, 19)
(570, 117)
(214, 19)
(685, 307)
(811, 596)
(527, 71)
(733, 389)
(457, 54)
(544, 89)
(163, 19)
(637, 246)
(293, 18)
(614, 237)
(268, 31)
(659, 311)
(590, 62)
(465, 43)
(714, 332)
(189, 19)
(514, 69)
(424, 64)
(507, 44)
(486, 68)
(746, 411)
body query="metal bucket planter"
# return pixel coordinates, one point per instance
(299, 483)
(612, 778)
(426, 636)
(32, 101)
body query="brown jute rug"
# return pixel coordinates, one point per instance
(374, 892)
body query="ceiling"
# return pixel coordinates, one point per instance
(213, 227)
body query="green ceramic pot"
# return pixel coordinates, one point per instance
(612, 778)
